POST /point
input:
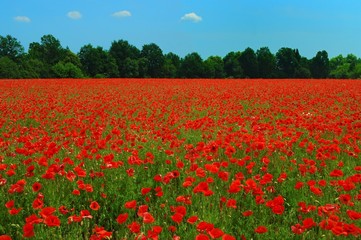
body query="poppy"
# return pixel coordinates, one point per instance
(122, 218)
(94, 205)
(261, 229)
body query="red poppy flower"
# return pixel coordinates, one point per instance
(353, 214)
(47, 211)
(10, 204)
(85, 214)
(278, 209)
(131, 204)
(177, 217)
(228, 237)
(261, 229)
(38, 203)
(122, 218)
(94, 205)
(297, 229)
(336, 173)
(202, 237)
(134, 227)
(247, 213)
(76, 192)
(192, 219)
(74, 218)
(33, 219)
(144, 191)
(215, 233)
(148, 218)
(142, 209)
(308, 223)
(36, 186)
(28, 230)
(14, 211)
(5, 237)
(52, 221)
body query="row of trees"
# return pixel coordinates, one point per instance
(48, 59)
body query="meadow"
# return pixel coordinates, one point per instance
(180, 159)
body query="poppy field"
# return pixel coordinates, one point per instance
(180, 159)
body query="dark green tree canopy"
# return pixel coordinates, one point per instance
(10, 47)
(249, 63)
(97, 63)
(155, 57)
(49, 50)
(192, 66)
(48, 59)
(121, 51)
(287, 61)
(320, 65)
(9, 68)
(232, 65)
(266, 63)
(213, 67)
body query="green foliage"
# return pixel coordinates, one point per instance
(213, 67)
(48, 59)
(97, 61)
(171, 65)
(124, 54)
(287, 61)
(130, 68)
(320, 65)
(155, 59)
(232, 66)
(249, 63)
(266, 63)
(192, 66)
(10, 47)
(345, 67)
(9, 68)
(67, 70)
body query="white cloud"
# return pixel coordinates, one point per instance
(74, 15)
(191, 17)
(122, 14)
(22, 19)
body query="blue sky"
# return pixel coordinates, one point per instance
(209, 27)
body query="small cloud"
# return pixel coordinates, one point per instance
(22, 19)
(74, 15)
(191, 17)
(122, 14)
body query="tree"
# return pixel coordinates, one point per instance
(97, 63)
(192, 66)
(49, 50)
(320, 65)
(171, 66)
(303, 68)
(344, 67)
(32, 68)
(155, 57)
(9, 68)
(266, 63)
(121, 51)
(356, 73)
(10, 47)
(249, 63)
(70, 57)
(130, 68)
(67, 70)
(232, 66)
(213, 67)
(287, 61)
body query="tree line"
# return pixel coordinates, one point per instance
(49, 59)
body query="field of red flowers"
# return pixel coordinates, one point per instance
(180, 159)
